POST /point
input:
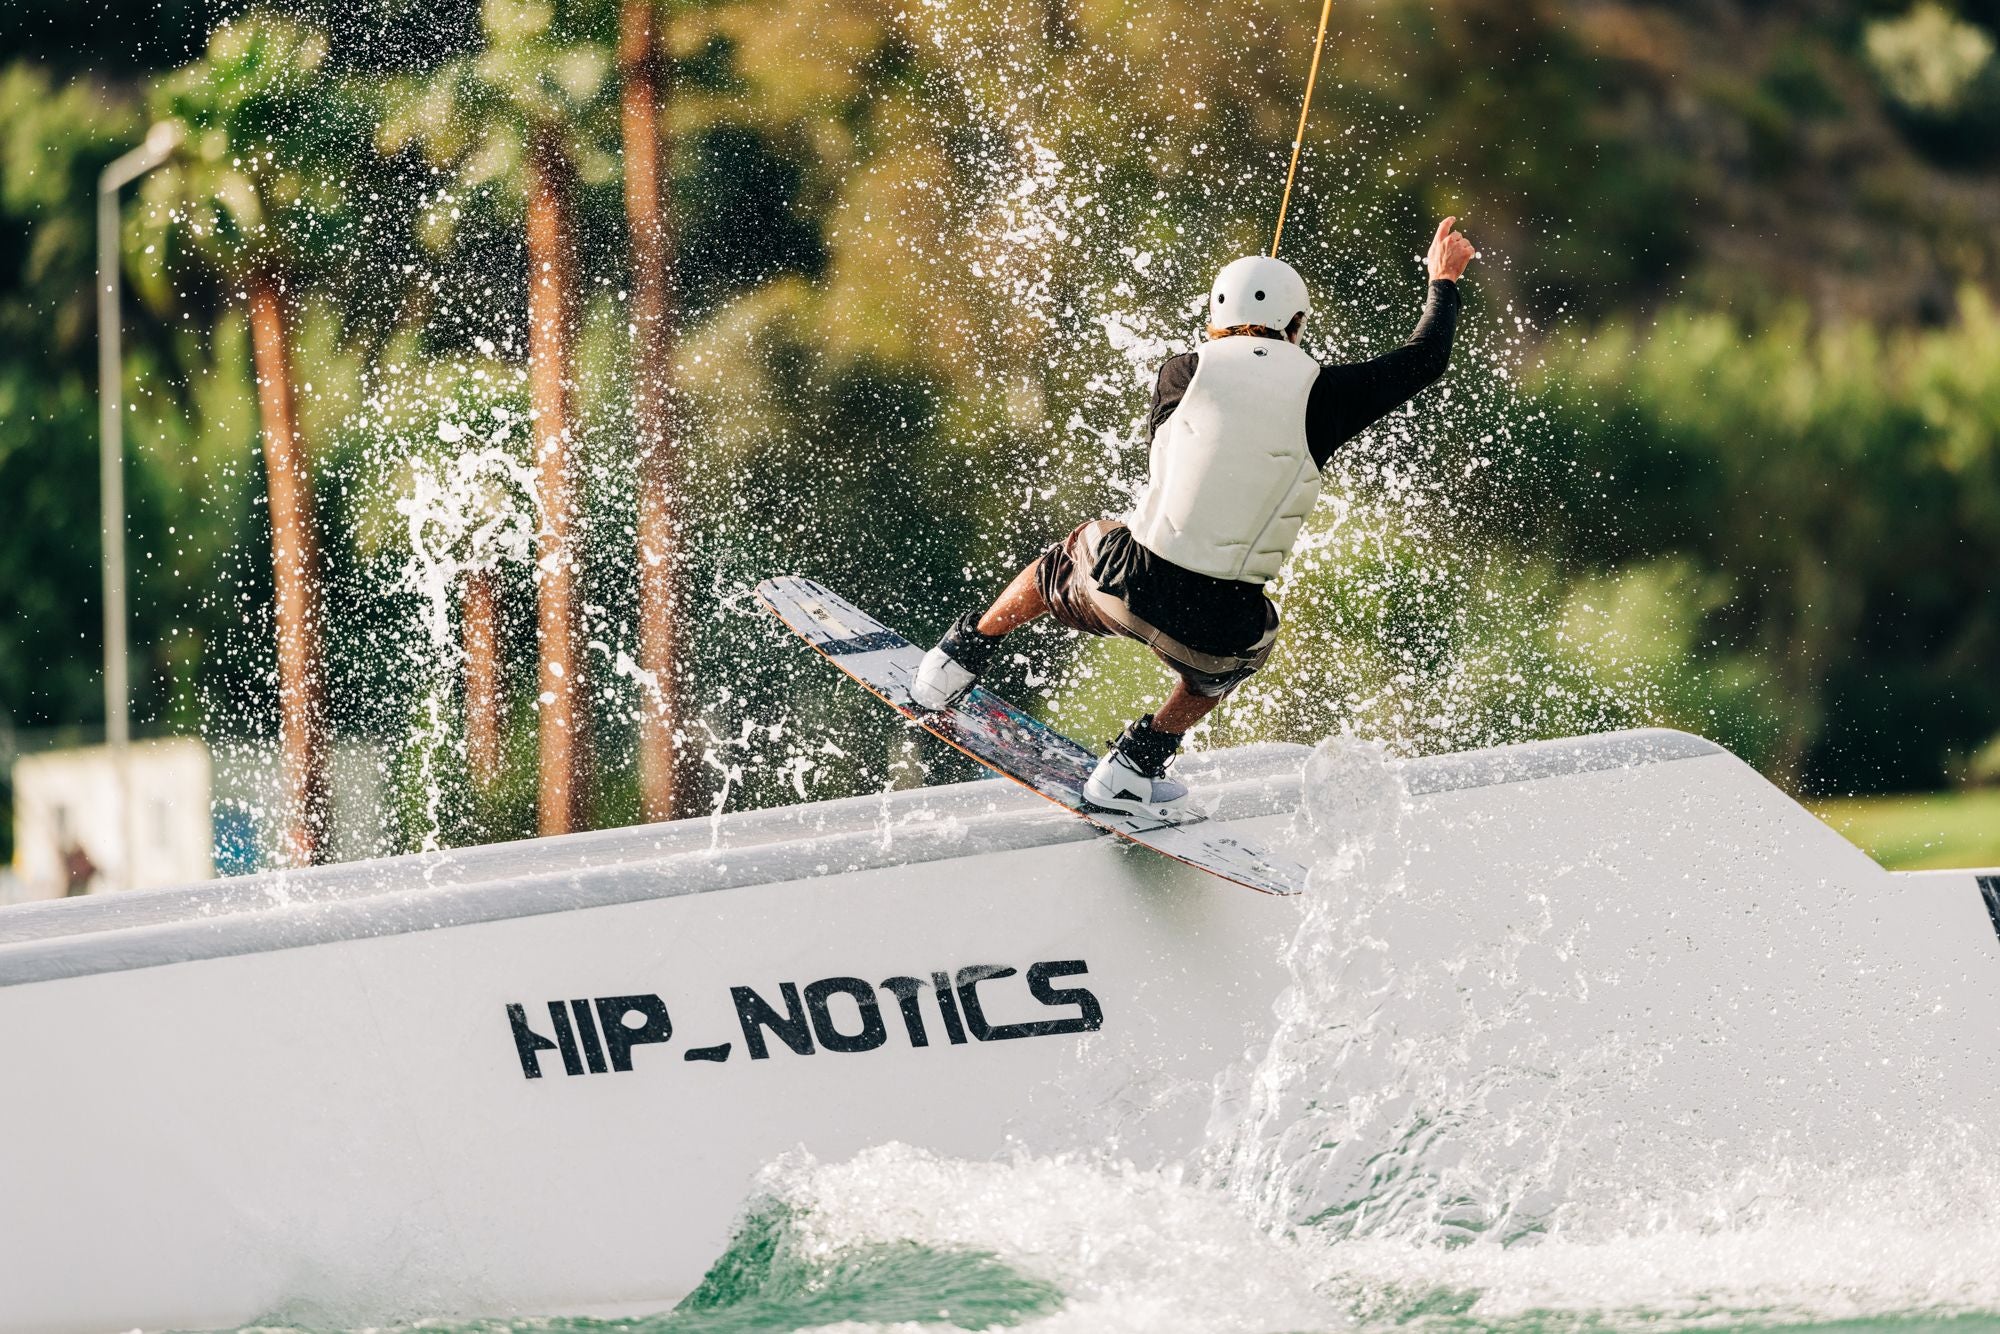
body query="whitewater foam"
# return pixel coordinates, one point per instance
(1126, 1249)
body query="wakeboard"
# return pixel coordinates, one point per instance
(1006, 740)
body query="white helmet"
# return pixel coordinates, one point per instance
(1257, 290)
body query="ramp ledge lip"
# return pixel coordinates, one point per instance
(1553, 759)
(887, 814)
(218, 920)
(424, 907)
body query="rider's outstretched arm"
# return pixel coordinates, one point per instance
(1347, 400)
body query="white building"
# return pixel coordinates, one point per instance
(76, 832)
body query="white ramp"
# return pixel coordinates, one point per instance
(538, 1077)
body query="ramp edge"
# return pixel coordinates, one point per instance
(1536, 760)
(143, 929)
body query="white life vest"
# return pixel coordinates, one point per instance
(1232, 478)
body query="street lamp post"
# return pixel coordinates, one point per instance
(160, 143)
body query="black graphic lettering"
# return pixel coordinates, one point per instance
(1090, 1015)
(873, 1031)
(586, 1029)
(565, 1038)
(948, 1008)
(756, 1015)
(602, 1035)
(905, 990)
(969, 979)
(528, 1042)
(619, 1037)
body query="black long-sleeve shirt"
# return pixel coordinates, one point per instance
(1227, 616)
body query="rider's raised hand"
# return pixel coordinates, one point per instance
(1450, 252)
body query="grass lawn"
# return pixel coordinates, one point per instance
(1923, 831)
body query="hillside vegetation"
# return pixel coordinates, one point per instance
(1719, 449)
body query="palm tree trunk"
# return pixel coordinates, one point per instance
(551, 294)
(302, 721)
(664, 776)
(479, 613)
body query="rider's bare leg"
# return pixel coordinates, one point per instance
(1020, 602)
(1182, 710)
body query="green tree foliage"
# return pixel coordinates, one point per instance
(264, 178)
(930, 254)
(1836, 487)
(52, 147)
(190, 420)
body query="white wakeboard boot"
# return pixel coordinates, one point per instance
(1132, 776)
(950, 670)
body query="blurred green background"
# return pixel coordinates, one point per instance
(1718, 449)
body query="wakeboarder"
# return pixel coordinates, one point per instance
(1241, 429)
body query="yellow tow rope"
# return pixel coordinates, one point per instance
(1299, 139)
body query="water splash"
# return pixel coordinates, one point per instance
(446, 445)
(1417, 610)
(1126, 1250)
(466, 517)
(1360, 1115)
(1067, 1245)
